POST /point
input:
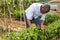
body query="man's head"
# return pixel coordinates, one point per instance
(45, 8)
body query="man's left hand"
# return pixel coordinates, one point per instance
(42, 27)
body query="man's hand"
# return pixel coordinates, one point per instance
(29, 22)
(42, 27)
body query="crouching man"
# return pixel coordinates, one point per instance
(36, 12)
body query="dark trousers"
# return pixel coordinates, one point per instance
(36, 21)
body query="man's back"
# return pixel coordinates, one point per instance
(33, 10)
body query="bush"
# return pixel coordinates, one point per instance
(51, 17)
(16, 14)
(53, 29)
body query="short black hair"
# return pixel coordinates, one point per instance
(47, 6)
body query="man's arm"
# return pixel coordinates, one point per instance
(42, 21)
(29, 13)
(29, 22)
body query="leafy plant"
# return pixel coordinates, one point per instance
(51, 17)
(16, 14)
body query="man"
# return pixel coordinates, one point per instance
(34, 12)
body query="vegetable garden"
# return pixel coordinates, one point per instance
(51, 32)
(14, 10)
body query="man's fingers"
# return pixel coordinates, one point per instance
(42, 28)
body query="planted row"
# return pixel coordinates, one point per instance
(51, 32)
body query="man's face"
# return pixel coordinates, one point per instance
(44, 10)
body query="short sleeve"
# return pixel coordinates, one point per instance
(29, 12)
(43, 17)
(29, 15)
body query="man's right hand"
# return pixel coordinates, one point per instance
(42, 25)
(29, 22)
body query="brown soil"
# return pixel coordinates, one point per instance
(13, 23)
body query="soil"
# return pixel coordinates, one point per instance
(14, 23)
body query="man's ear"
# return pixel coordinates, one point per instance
(42, 5)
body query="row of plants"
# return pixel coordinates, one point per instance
(51, 32)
